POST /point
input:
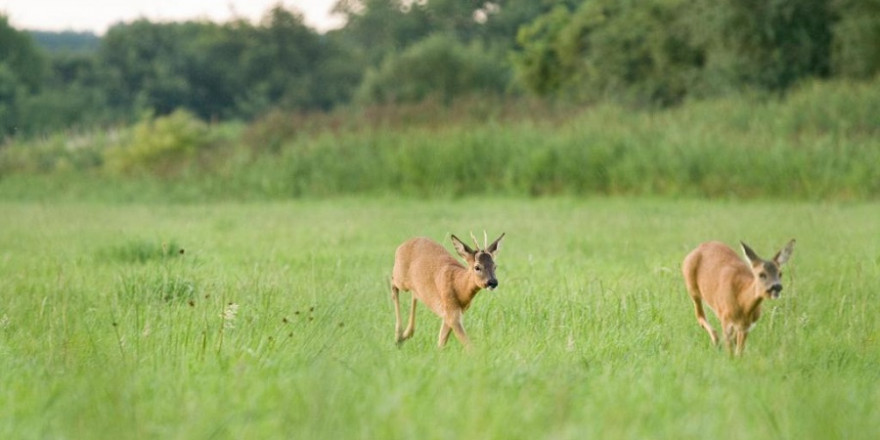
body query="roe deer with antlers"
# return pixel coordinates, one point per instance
(435, 277)
(732, 288)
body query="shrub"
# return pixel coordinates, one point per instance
(165, 146)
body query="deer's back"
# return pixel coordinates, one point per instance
(714, 267)
(419, 261)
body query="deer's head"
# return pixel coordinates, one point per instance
(768, 274)
(481, 262)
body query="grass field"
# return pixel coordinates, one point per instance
(276, 322)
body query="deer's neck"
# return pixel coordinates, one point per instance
(751, 301)
(466, 287)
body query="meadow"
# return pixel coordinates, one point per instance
(274, 320)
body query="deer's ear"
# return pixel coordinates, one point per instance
(750, 254)
(783, 255)
(495, 246)
(466, 252)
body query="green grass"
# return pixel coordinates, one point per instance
(108, 331)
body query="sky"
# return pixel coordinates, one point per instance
(98, 15)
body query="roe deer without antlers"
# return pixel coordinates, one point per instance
(435, 277)
(733, 289)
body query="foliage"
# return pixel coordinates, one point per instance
(234, 70)
(438, 66)
(22, 71)
(662, 52)
(165, 146)
(773, 44)
(20, 55)
(41, 94)
(436, 49)
(277, 323)
(855, 47)
(145, 62)
(67, 42)
(637, 51)
(77, 83)
(542, 65)
(641, 53)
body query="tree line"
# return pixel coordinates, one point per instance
(645, 53)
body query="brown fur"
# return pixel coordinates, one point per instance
(441, 282)
(734, 289)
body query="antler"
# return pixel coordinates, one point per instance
(485, 239)
(476, 243)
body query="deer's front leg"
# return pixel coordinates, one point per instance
(411, 324)
(741, 336)
(729, 336)
(395, 298)
(444, 334)
(454, 321)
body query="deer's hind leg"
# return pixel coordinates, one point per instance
(399, 336)
(694, 292)
(689, 272)
(701, 319)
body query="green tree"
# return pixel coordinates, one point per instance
(281, 68)
(146, 63)
(771, 44)
(856, 48)
(73, 94)
(231, 70)
(215, 70)
(439, 66)
(544, 63)
(11, 91)
(67, 42)
(394, 38)
(639, 51)
(381, 27)
(22, 72)
(500, 20)
(658, 52)
(22, 56)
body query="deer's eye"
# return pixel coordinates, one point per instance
(762, 275)
(478, 268)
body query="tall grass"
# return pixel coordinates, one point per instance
(280, 325)
(821, 142)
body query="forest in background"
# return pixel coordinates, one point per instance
(521, 97)
(656, 53)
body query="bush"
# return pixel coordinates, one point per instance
(166, 146)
